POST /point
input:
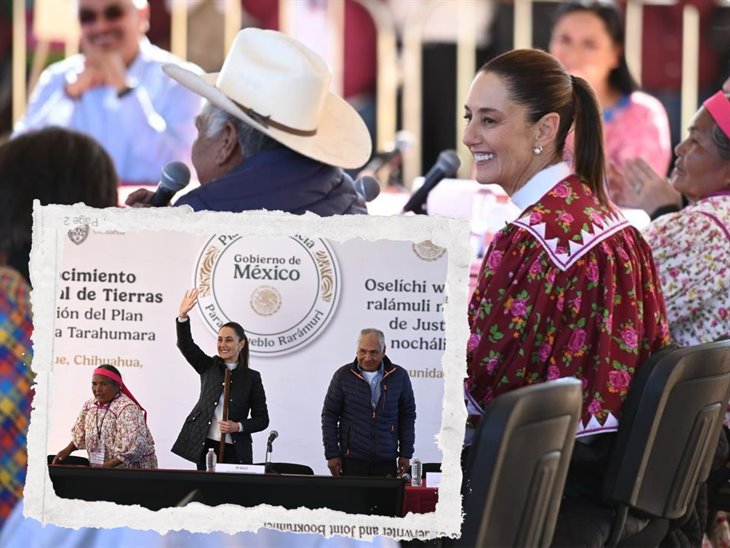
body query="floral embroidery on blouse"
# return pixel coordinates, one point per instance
(119, 428)
(692, 253)
(567, 290)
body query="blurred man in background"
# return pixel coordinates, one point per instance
(116, 92)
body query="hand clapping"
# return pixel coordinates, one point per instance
(638, 186)
(101, 68)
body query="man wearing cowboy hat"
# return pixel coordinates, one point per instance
(271, 135)
(115, 92)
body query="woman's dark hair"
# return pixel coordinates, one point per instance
(571, 97)
(243, 354)
(610, 13)
(722, 141)
(114, 370)
(53, 165)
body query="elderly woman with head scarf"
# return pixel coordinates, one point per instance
(692, 246)
(112, 426)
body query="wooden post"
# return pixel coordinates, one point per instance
(226, 395)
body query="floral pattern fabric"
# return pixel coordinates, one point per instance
(692, 253)
(567, 290)
(119, 428)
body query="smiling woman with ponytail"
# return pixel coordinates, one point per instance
(569, 288)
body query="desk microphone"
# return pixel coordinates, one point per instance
(272, 436)
(269, 449)
(175, 176)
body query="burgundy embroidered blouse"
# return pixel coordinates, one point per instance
(567, 290)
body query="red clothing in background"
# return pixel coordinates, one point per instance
(359, 38)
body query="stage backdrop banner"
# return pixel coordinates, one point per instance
(107, 287)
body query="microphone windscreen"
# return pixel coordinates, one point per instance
(449, 162)
(368, 187)
(175, 176)
(404, 140)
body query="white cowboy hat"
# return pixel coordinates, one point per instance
(281, 87)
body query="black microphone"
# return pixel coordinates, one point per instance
(175, 176)
(272, 436)
(403, 141)
(367, 187)
(446, 166)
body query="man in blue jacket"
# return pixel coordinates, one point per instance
(271, 134)
(369, 414)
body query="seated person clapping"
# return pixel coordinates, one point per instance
(641, 187)
(692, 246)
(115, 91)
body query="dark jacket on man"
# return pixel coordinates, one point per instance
(352, 428)
(246, 394)
(279, 179)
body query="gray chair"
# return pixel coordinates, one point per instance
(663, 451)
(517, 466)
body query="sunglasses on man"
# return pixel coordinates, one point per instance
(111, 13)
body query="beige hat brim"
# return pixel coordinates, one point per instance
(342, 139)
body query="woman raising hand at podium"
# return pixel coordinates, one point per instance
(206, 423)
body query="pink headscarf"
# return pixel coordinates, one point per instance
(117, 379)
(719, 108)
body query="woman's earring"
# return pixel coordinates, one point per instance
(537, 149)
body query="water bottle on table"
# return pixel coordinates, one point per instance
(210, 460)
(416, 472)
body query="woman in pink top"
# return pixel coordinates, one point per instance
(588, 39)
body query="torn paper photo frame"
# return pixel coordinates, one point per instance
(56, 228)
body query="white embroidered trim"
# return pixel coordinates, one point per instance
(472, 406)
(612, 224)
(595, 427)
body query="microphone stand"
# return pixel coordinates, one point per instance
(267, 461)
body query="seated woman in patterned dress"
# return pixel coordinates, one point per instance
(569, 289)
(641, 187)
(112, 426)
(692, 246)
